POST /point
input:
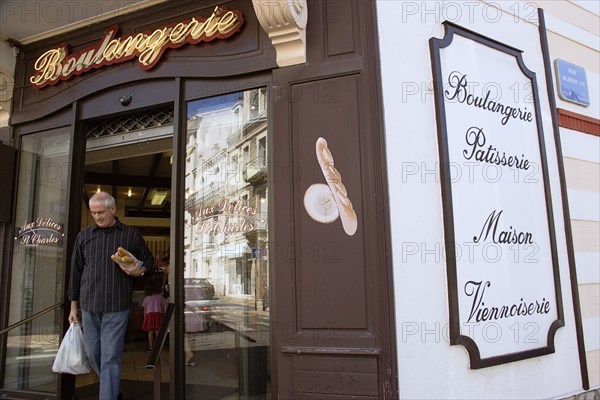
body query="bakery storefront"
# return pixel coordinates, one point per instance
(244, 140)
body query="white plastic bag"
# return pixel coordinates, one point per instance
(71, 358)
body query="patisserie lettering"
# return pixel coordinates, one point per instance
(475, 139)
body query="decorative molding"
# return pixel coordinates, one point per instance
(131, 122)
(330, 351)
(285, 23)
(578, 122)
(7, 85)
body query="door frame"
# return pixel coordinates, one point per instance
(147, 94)
(188, 90)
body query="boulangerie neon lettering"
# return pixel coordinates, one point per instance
(56, 64)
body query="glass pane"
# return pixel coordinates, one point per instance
(226, 270)
(37, 268)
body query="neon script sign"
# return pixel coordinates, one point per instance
(56, 64)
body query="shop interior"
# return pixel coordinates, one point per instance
(225, 314)
(130, 157)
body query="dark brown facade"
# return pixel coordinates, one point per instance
(331, 303)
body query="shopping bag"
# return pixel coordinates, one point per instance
(71, 358)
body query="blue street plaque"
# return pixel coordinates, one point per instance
(572, 82)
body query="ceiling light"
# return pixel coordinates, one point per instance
(129, 193)
(158, 197)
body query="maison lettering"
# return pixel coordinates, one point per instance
(56, 64)
(510, 236)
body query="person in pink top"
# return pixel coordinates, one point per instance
(154, 307)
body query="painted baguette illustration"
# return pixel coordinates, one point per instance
(334, 180)
(320, 203)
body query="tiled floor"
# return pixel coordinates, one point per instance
(237, 340)
(134, 366)
(133, 371)
(211, 376)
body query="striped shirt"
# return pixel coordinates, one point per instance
(97, 282)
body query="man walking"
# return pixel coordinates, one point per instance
(103, 289)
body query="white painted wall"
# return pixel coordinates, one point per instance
(428, 366)
(575, 36)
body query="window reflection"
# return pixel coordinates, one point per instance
(37, 262)
(226, 271)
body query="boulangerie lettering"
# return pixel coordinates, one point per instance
(458, 82)
(56, 64)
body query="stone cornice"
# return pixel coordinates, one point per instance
(285, 23)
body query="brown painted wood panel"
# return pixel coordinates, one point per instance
(340, 383)
(7, 178)
(333, 375)
(333, 302)
(340, 27)
(330, 264)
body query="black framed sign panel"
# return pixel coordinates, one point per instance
(504, 291)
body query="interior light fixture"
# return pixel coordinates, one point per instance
(98, 189)
(129, 193)
(158, 197)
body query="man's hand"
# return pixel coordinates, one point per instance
(136, 270)
(73, 318)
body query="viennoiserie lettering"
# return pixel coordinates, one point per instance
(480, 312)
(459, 91)
(56, 64)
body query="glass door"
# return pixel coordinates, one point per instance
(226, 265)
(129, 156)
(37, 281)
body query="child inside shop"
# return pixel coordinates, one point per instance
(154, 308)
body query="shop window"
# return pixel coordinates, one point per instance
(37, 278)
(227, 315)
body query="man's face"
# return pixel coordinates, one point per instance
(103, 216)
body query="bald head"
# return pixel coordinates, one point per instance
(103, 209)
(103, 197)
